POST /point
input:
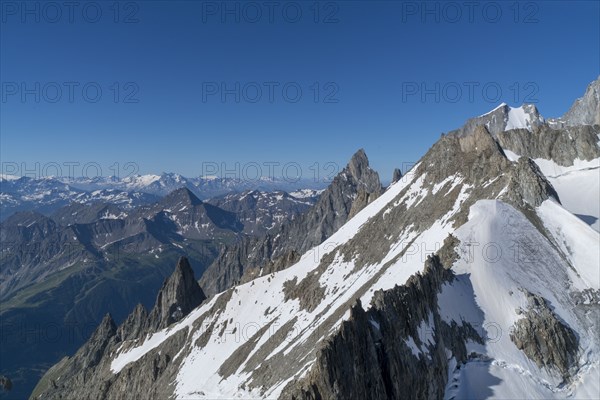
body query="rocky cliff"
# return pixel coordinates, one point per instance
(350, 191)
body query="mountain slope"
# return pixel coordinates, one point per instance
(282, 318)
(466, 278)
(261, 211)
(354, 187)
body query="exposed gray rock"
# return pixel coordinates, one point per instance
(562, 145)
(369, 355)
(368, 358)
(93, 350)
(134, 326)
(261, 211)
(179, 295)
(544, 338)
(497, 120)
(528, 184)
(584, 111)
(354, 187)
(575, 135)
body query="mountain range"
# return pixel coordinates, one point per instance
(474, 275)
(48, 194)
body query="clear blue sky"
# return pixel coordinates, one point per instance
(370, 56)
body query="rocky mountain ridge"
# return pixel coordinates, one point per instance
(350, 191)
(506, 307)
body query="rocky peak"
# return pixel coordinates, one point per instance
(134, 325)
(349, 192)
(181, 197)
(360, 170)
(503, 118)
(396, 175)
(584, 111)
(179, 295)
(91, 353)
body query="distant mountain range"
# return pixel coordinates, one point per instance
(47, 195)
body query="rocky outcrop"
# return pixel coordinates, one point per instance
(179, 295)
(87, 375)
(525, 132)
(562, 145)
(584, 111)
(350, 191)
(370, 356)
(528, 184)
(544, 338)
(396, 175)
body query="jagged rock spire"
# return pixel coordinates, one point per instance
(396, 175)
(93, 350)
(361, 171)
(179, 295)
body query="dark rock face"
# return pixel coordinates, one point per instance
(179, 295)
(93, 350)
(546, 340)
(564, 139)
(369, 358)
(5, 383)
(396, 175)
(135, 324)
(350, 191)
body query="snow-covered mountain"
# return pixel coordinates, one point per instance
(466, 278)
(49, 194)
(503, 118)
(85, 258)
(584, 111)
(203, 187)
(46, 195)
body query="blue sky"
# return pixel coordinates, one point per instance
(167, 73)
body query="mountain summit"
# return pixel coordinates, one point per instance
(503, 118)
(584, 111)
(179, 295)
